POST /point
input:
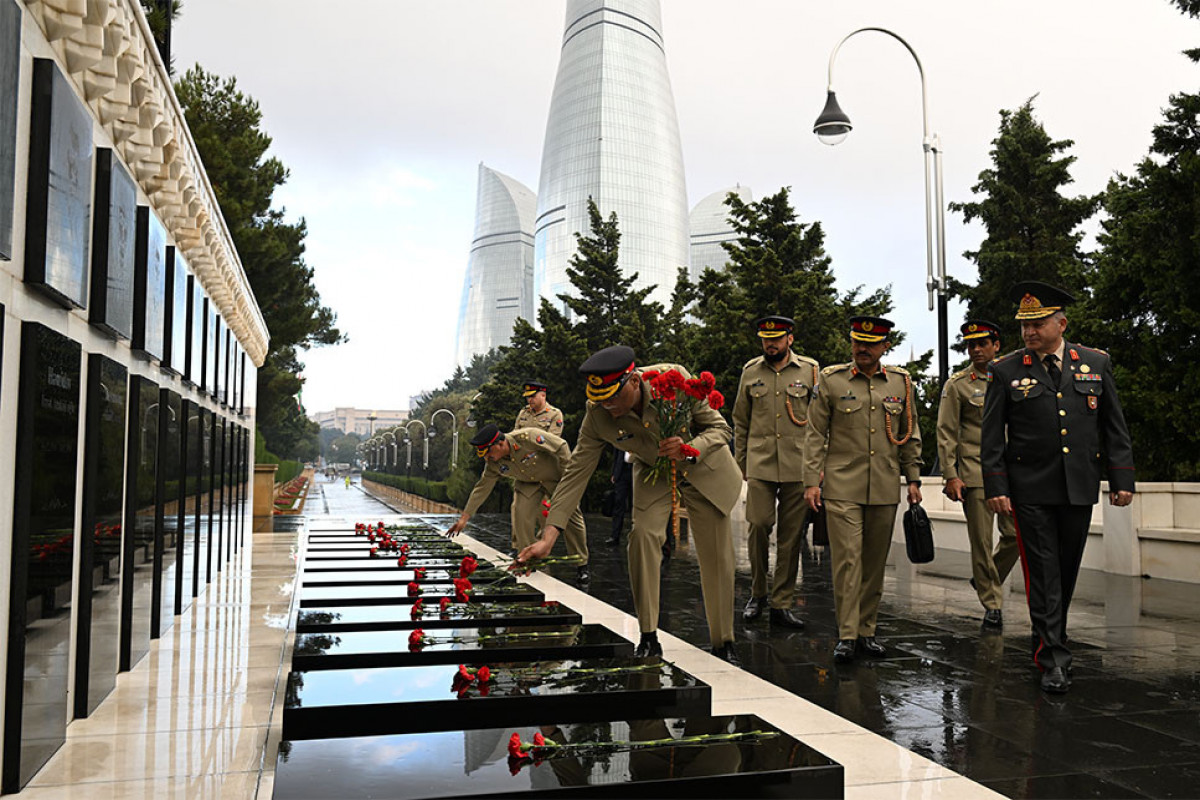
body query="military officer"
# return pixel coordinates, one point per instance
(959, 428)
(769, 419)
(619, 413)
(538, 413)
(1052, 427)
(863, 436)
(535, 461)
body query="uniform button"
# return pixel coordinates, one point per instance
(777, 394)
(1059, 395)
(1063, 432)
(872, 452)
(1066, 449)
(1062, 412)
(777, 416)
(872, 430)
(646, 424)
(872, 408)
(778, 436)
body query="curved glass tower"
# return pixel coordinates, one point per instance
(612, 135)
(710, 227)
(498, 286)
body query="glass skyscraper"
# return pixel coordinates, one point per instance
(612, 135)
(710, 228)
(498, 286)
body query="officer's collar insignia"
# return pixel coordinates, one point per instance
(1027, 360)
(1074, 354)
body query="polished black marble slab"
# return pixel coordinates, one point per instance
(457, 615)
(475, 763)
(358, 649)
(10, 81)
(372, 702)
(363, 547)
(432, 593)
(402, 577)
(382, 564)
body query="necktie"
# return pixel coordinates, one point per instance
(1052, 368)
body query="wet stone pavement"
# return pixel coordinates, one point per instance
(960, 695)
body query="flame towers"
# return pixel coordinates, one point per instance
(612, 135)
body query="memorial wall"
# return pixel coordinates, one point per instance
(129, 340)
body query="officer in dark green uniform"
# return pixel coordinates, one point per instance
(1052, 427)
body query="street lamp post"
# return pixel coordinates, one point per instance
(453, 428)
(832, 127)
(424, 438)
(389, 439)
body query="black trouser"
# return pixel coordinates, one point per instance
(622, 494)
(1052, 538)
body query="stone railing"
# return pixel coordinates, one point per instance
(414, 501)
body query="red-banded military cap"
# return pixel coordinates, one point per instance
(530, 388)
(979, 329)
(607, 370)
(1035, 299)
(488, 435)
(870, 329)
(774, 327)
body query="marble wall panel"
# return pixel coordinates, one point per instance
(175, 313)
(169, 481)
(114, 246)
(137, 569)
(149, 285)
(185, 518)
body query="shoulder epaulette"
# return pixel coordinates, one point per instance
(1007, 356)
(962, 373)
(899, 370)
(752, 362)
(833, 368)
(1093, 349)
(808, 360)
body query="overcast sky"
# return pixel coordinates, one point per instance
(383, 109)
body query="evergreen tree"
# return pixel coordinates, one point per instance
(1033, 231)
(1145, 304)
(227, 128)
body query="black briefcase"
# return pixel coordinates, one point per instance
(820, 527)
(918, 535)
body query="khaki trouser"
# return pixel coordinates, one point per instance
(712, 534)
(859, 539)
(989, 569)
(527, 522)
(761, 497)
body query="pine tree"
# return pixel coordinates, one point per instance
(1033, 231)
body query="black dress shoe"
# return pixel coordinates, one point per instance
(1055, 681)
(754, 608)
(972, 582)
(582, 575)
(787, 618)
(727, 652)
(843, 651)
(871, 647)
(648, 646)
(992, 618)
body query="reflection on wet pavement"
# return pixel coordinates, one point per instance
(963, 696)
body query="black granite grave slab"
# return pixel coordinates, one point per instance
(390, 595)
(10, 81)
(360, 649)
(475, 763)
(402, 577)
(382, 563)
(373, 702)
(457, 615)
(363, 545)
(114, 247)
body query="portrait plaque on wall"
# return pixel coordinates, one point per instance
(59, 189)
(10, 82)
(176, 333)
(137, 567)
(99, 602)
(114, 245)
(149, 285)
(43, 545)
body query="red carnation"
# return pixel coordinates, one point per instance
(708, 380)
(462, 590)
(418, 573)
(371, 537)
(484, 674)
(514, 746)
(468, 566)
(418, 609)
(539, 740)
(445, 604)
(696, 388)
(404, 548)
(715, 400)
(414, 588)
(401, 561)
(374, 552)
(464, 673)
(416, 639)
(689, 451)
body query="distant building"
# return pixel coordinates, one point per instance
(498, 286)
(612, 135)
(355, 420)
(710, 229)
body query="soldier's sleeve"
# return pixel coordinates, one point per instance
(741, 423)
(584, 459)
(556, 422)
(711, 431)
(815, 435)
(483, 488)
(910, 451)
(949, 414)
(1114, 436)
(991, 449)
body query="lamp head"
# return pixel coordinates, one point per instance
(833, 125)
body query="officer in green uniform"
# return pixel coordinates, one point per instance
(862, 435)
(538, 413)
(769, 419)
(959, 428)
(535, 461)
(619, 413)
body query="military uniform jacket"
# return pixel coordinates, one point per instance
(1050, 445)
(848, 420)
(715, 474)
(960, 426)
(535, 463)
(770, 415)
(548, 419)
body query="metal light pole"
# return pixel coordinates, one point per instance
(833, 126)
(389, 439)
(424, 438)
(453, 428)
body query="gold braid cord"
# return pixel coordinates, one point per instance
(787, 401)
(887, 417)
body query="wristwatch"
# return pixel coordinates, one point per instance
(915, 483)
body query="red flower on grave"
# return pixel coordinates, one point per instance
(418, 573)
(414, 588)
(404, 548)
(468, 566)
(374, 552)
(401, 561)
(418, 609)
(416, 639)
(483, 675)
(462, 590)
(539, 740)
(445, 604)
(515, 746)
(371, 537)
